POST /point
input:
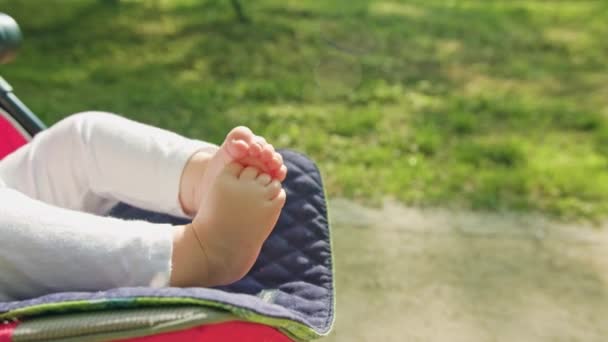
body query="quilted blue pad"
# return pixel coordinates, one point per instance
(292, 278)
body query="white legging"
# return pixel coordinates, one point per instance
(53, 190)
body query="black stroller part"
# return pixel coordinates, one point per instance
(10, 39)
(18, 110)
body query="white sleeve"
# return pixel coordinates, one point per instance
(91, 160)
(46, 249)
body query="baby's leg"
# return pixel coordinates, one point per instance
(89, 161)
(46, 249)
(235, 218)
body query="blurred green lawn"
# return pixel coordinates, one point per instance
(492, 105)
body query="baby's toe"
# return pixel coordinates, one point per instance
(240, 133)
(273, 189)
(281, 173)
(267, 153)
(233, 169)
(260, 140)
(237, 149)
(249, 173)
(275, 162)
(280, 199)
(257, 145)
(255, 162)
(255, 150)
(264, 179)
(238, 142)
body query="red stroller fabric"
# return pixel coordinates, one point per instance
(10, 137)
(6, 331)
(230, 331)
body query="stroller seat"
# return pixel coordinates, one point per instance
(287, 295)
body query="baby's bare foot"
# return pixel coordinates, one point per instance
(239, 212)
(241, 146)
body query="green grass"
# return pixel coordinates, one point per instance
(491, 105)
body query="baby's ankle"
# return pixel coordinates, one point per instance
(189, 262)
(196, 263)
(223, 266)
(189, 189)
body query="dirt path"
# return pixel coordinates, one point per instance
(411, 275)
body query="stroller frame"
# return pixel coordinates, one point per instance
(28, 123)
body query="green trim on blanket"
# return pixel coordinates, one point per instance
(116, 324)
(295, 330)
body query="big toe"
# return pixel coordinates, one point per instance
(238, 142)
(237, 149)
(240, 133)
